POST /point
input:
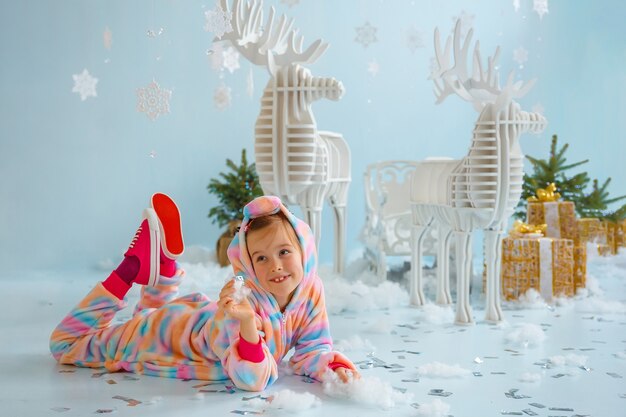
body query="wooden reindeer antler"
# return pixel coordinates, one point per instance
(255, 42)
(484, 84)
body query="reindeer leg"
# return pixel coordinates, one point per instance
(417, 238)
(443, 265)
(464, 274)
(310, 202)
(493, 257)
(338, 202)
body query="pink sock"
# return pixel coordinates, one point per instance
(128, 269)
(116, 285)
(167, 266)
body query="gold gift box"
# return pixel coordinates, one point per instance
(521, 266)
(564, 224)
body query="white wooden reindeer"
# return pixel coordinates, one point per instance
(479, 191)
(294, 160)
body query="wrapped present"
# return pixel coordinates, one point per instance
(558, 216)
(614, 233)
(530, 260)
(591, 230)
(580, 266)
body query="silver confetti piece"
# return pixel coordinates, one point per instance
(537, 405)
(478, 360)
(308, 380)
(614, 375)
(476, 373)
(60, 409)
(529, 412)
(560, 409)
(402, 390)
(584, 368)
(558, 376)
(245, 412)
(411, 380)
(511, 413)
(439, 393)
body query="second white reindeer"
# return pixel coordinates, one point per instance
(479, 191)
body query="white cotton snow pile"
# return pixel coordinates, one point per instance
(381, 326)
(354, 343)
(530, 300)
(620, 355)
(435, 408)
(599, 305)
(571, 360)
(286, 400)
(526, 335)
(202, 272)
(343, 295)
(530, 377)
(366, 390)
(442, 370)
(435, 314)
(106, 265)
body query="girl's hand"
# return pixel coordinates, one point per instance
(241, 311)
(346, 375)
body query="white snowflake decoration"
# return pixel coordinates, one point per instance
(153, 100)
(218, 21)
(85, 85)
(230, 59)
(516, 5)
(373, 68)
(290, 3)
(222, 97)
(520, 55)
(107, 38)
(250, 83)
(366, 34)
(414, 39)
(541, 7)
(467, 22)
(538, 108)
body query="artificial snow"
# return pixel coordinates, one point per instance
(530, 377)
(571, 359)
(442, 370)
(366, 390)
(526, 335)
(436, 314)
(286, 400)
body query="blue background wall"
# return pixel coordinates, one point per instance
(75, 175)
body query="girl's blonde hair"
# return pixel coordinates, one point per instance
(260, 223)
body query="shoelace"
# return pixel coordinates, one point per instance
(132, 242)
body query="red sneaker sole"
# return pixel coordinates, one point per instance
(171, 226)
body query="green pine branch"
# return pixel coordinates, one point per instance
(234, 191)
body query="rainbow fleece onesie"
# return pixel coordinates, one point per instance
(189, 338)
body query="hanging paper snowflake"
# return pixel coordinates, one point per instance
(373, 67)
(290, 3)
(222, 97)
(366, 34)
(520, 55)
(250, 83)
(107, 38)
(218, 21)
(516, 5)
(414, 39)
(538, 108)
(230, 59)
(153, 100)
(85, 85)
(541, 7)
(467, 22)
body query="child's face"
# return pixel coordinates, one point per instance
(276, 259)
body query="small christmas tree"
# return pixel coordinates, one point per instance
(593, 204)
(550, 171)
(238, 188)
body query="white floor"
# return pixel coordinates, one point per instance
(588, 335)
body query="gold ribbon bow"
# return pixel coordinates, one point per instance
(521, 229)
(546, 195)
